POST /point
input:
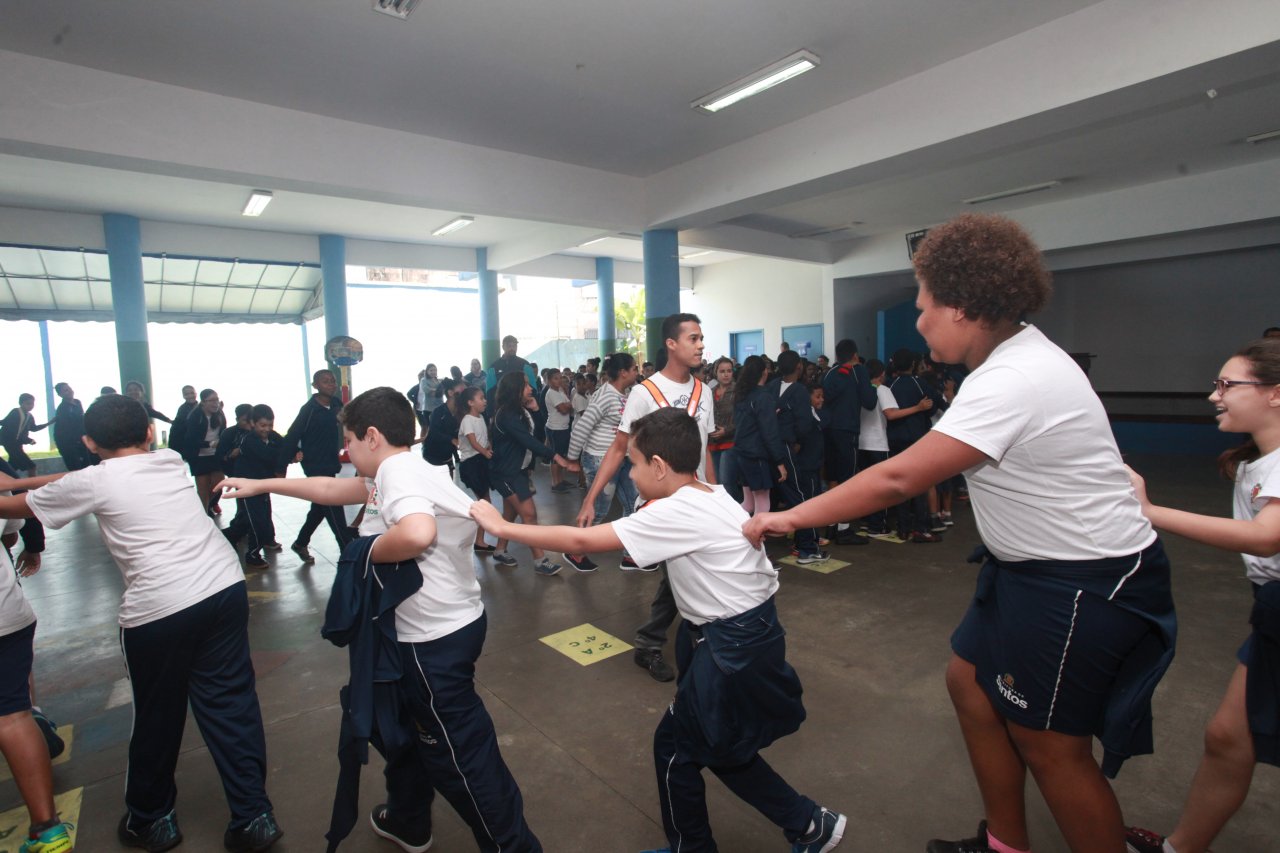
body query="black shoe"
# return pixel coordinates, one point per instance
(918, 538)
(384, 825)
(581, 562)
(977, 844)
(303, 553)
(255, 561)
(49, 729)
(828, 829)
(1139, 840)
(850, 537)
(651, 659)
(157, 836)
(255, 836)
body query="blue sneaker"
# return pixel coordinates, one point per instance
(156, 837)
(55, 839)
(546, 568)
(49, 729)
(502, 558)
(828, 829)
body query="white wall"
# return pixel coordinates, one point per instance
(755, 293)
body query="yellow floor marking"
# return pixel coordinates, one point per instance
(263, 595)
(66, 732)
(14, 823)
(891, 538)
(826, 567)
(586, 644)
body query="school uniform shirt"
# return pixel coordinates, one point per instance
(317, 433)
(713, 570)
(450, 595)
(170, 552)
(556, 419)
(471, 425)
(641, 402)
(580, 403)
(1258, 482)
(595, 428)
(874, 434)
(1053, 487)
(15, 610)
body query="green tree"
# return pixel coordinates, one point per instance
(630, 321)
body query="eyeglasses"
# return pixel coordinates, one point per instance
(1221, 385)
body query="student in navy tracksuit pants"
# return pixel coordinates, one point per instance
(259, 460)
(315, 433)
(795, 425)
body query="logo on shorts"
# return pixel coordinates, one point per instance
(1004, 683)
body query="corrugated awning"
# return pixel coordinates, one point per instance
(38, 283)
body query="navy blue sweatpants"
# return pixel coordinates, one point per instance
(457, 752)
(198, 655)
(253, 519)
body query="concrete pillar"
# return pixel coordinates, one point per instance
(604, 287)
(661, 285)
(128, 297)
(490, 343)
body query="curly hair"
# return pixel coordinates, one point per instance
(985, 265)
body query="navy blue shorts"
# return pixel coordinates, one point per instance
(1046, 656)
(754, 473)
(559, 440)
(15, 671)
(512, 484)
(474, 472)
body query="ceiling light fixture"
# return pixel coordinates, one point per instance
(258, 201)
(395, 8)
(1034, 188)
(1262, 137)
(757, 81)
(453, 225)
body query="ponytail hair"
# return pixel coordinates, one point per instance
(616, 363)
(1263, 356)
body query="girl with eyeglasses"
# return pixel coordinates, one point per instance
(1246, 727)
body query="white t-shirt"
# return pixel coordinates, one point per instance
(641, 402)
(450, 595)
(1258, 482)
(1054, 487)
(580, 403)
(875, 434)
(713, 570)
(170, 552)
(15, 610)
(471, 425)
(555, 419)
(211, 436)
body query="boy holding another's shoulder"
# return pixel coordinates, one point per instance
(184, 621)
(730, 649)
(419, 514)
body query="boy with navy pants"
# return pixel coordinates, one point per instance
(730, 649)
(259, 459)
(183, 624)
(316, 436)
(418, 514)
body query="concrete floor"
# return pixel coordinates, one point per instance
(869, 642)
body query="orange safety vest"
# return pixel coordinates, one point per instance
(695, 398)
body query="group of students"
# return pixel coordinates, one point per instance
(1069, 631)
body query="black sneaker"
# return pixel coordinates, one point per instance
(1139, 840)
(304, 554)
(256, 561)
(581, 562)
(384, 825)
(977, 844)
(936, 524)
(155, 837)
(828, 829)
(255, 836)
(651, 659)
(627, 564)
(49, 729)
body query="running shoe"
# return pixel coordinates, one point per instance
(403, 837)
(256, 562)
(581, 562)
(49, 729)
(304, 554)
(502, 558)
(546, 568)
(651, 660)
(828, 829)
(156, 837)
(1139, 840)
(977, 844)
(815, 557)
(255, 836)
(55, 839)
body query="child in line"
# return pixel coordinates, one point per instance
(730, 648)
(314, 439)
(259, 459)
(757, 446)
(184, 622)
(908, 422)
(1246, 727)
(419, 514)
(873, 439)
(475, 452)
(559, 408)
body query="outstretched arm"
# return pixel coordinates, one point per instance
(26, 484)
(1259, 536)
(15, 506)
(331, 491)
(572, 540)
(930, 460)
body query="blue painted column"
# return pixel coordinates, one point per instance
(128, 297)
(490, 346)
(333, 280)
(661, 285)
(608, 325)
(306, 359)
(49, 397)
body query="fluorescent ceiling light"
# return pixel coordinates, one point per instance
(258, 201)
(757, 81)
(592, 242)
(697, 254)
(1034, 188)
(453, 225)
(1262, 137)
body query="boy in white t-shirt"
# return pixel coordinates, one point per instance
(184, 621)
(730, 648)
(419, 514)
